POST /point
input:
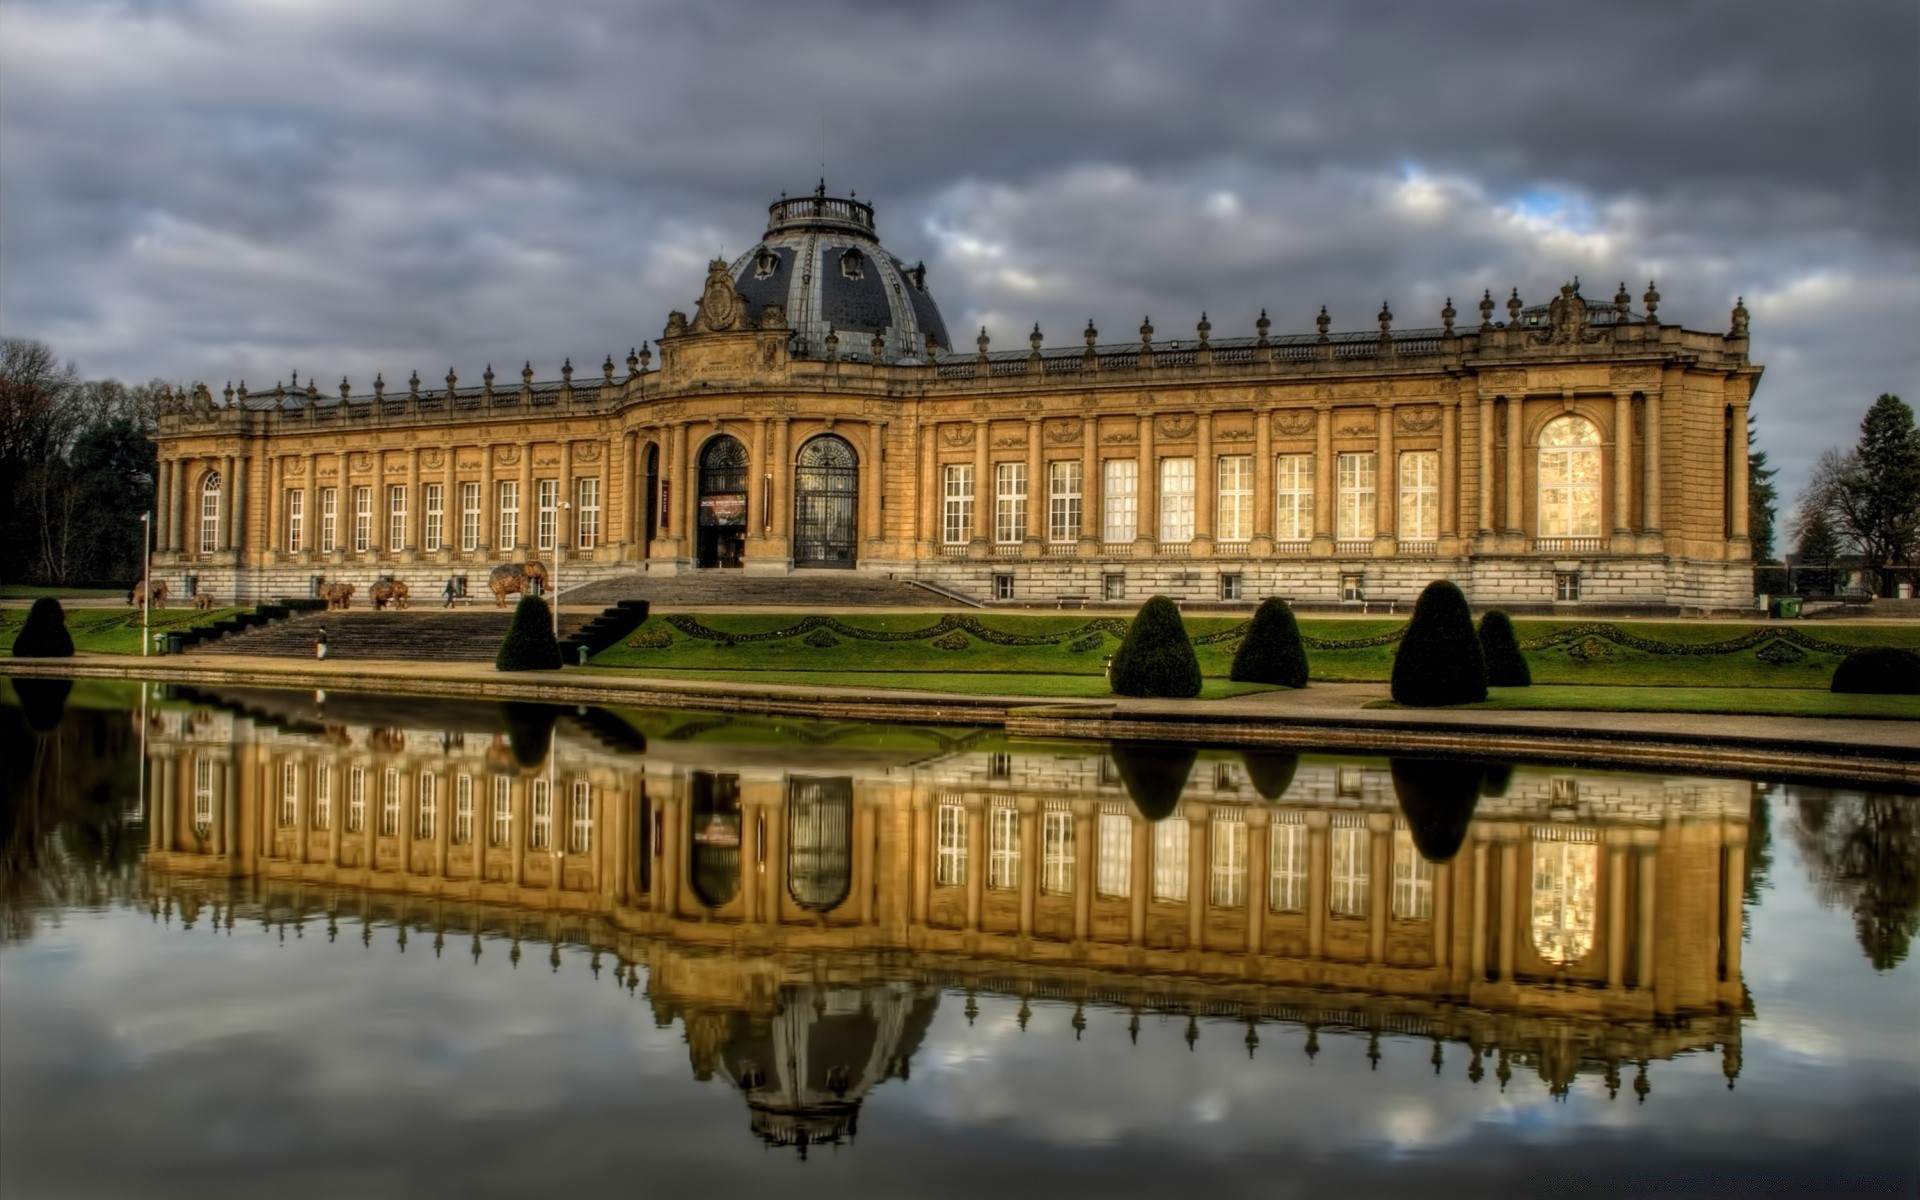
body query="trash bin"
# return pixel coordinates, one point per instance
(1786, 607)
(583, 653)
(176, 642)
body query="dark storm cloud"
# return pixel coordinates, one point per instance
(220, 188)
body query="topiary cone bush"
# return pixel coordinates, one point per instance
(1156, 657)
(1437, 797)
(1270, 771)
(1154, 774)
(45, 633)
(1272, 651)
(1877, 670)
(1439, 660)
(529, 731)
(1506, 666)
(529, 644)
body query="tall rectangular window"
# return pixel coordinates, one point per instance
(956, 506)
(586, 534)
(1170, 860)
(1120, 499)
(950, 846)
(1063, 500)
(502, 810)
(1354, 516)
(509, 514)
(356, 799)
(1419, 495)
(296, 519)
(362, 519)
(462, 809)
(390, 803)
(1113, 872)
(540, 825)
(1056, 853)
(469, 517)
(1287, 858)
(329, 520)
(1176, 499)
(580, 829)
(210, 515)
(397, 518)
(289, 795)
(323, 798)
(1227, 878)
(1293, 498)
(435, 498)
(1003, 859)
(427, 806)
(1412, 880)
(203, 795)
(1009, 502)
(1351, 874)
(1234, 507)
(548, 494)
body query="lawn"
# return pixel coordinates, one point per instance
(1769, 701)
(22, 591)
(112, 630)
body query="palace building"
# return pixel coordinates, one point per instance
(815, 414)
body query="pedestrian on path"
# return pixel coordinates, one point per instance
(320, 643)
(448, 591)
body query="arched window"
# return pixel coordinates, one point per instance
(1566, 895)
(210, 513)
(1569, 479)
(819, 842)
(826, 493)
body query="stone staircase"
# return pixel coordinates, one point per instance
(435, 635)
(825, 591)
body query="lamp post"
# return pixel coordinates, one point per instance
(559, 550)
(146, 577)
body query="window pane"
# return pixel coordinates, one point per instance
(1351, 876)
(1120, 499)
(1419, 495)
(957, 511)
(1287, 850)
(1176, 499)
(1170, 860)
(1010, 502)
(1293, 498)
(1235, 503)
(1063, 501)
(1115, 867)
(1354, 516)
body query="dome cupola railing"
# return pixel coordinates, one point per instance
(820, 211)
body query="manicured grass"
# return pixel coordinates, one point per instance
(22, 591)
(959, 682)
(112, 630)
(1772, 701)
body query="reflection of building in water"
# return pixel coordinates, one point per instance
(800, 920)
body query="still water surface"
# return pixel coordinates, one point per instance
(366, 946)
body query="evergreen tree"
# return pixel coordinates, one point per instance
(1272, 651)
(1872, 492)
(1439, 660)
(1156, 657)
(1817, 550)
(1763, 499)
(529, 644)
(1506, 666)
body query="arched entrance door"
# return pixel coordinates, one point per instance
(723, 503)
(826, 494)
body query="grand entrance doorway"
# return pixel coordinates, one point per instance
(723, 503)
(826, 492)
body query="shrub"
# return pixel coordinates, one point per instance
(1154, 774)
(1156, 657)
(529, 731)
(302, 604)
(1437, 797)
(42, 701)
(1270, 771)
(1877, 670)
(1272, 651)
(529, 644)
(1506, 666)
(45, 633)
(1439, 660)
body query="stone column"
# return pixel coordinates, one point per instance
(1323, 497)
(413, 536)
(1139, 883)
(977, 857)
(783, 486)
(1515, 510)
(183, 483)
(1199, 873)
(873, 487)
(1386, 490)
(1317, 868)
(529, 508)
(1206, 485)
(1147, 488)
(1509, 906)
(1029, 863)
(1092, 486)
(163, 505)
(1737, 469)
(982, 535)
(1083, 851)
(684, 527)
(1039, 492)
(1450, 467)
(1477, 933)
(1484, 518)
(1648, 861)
(1443, 919)
(1650, 485)
(565, 521)
(244, 489)
(1622, 465)
(489, 499)
(450, 499)
(1616, 917)
(632, 503)
(759, 486)
(1263, 504)
(1380, 899)
(929, 535)
(276, 531)
(227, 493)
(1258, 879)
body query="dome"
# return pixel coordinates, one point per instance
(822, 261)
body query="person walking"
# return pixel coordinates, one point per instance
(448, 591)
(320, 643)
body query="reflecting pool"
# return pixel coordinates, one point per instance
(280, 943)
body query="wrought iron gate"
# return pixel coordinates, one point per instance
(826, 494)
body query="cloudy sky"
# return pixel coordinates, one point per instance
(228, 189)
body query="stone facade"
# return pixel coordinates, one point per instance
(1574, 454)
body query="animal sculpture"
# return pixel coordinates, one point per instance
(389, 591)
(156, 590)
(205, 602)
(508, 578)
(337, 595)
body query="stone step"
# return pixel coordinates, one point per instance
(823, 590)
(437, 636)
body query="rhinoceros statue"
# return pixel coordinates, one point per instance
(337, 595)
(508, 578)
(389, 591)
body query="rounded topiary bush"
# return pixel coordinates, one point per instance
(1876, 670)
(1272, 651)
(529, 644)
(529, 732)
(1156, 657)
(1439, 660)
(1270, 771)
(1154, 774)
(45, 633)
(1506, 666)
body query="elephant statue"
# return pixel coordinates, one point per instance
(155, 589)
(337, 595)
(508, 578)
(389, 591)
(205, 602)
